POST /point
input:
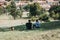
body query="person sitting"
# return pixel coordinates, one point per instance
(12, 28)
(29, 25)
(36, 24)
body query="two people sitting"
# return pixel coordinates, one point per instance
(30, 25)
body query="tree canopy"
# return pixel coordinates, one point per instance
(35, 9)
(13, 11)
(55, 8)
(55, 11)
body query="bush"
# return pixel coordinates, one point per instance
(27, 7)
(35, 9)
(44, 17)
(33, 18)
(55, 16)
(55, 12)
(1, 10)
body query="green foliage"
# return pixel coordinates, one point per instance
(35, 9)
(8, 0)
(55, 11)
(1, 10)
(55, 8)
(31, 0)
(13, 11)
(19, 13)
(44, 26)
(34, 18)
(8, 8)
(16, 0)
(44, 17)
(55, 16)
(27, 7)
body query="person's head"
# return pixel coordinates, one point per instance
(36, 20)
(29, 21)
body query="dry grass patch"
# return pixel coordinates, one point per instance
(31, 35)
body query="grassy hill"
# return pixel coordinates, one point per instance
(31, 35)
(48, 31)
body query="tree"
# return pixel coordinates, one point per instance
(35, 9)
(55, 10)
(44, 17)
(13, 10)
(27, 7)
(2, 10)
(31, 0)
(20, 11)
(8, 0)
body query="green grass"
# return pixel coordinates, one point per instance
(44, 26)
(43, 33)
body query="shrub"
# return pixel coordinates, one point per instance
(27, 7)
(44, 17)
(55, 11)
(33, 18)
(35, 9)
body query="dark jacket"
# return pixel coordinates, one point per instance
(29, 25)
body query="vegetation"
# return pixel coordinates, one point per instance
(35, 9)
(43, 26)
(44, 17)
(55, 11)
(27, 7)
(36, 12)
(13, 11)
(34, 18)
(8, 0)
(27, 35)
(2, 10)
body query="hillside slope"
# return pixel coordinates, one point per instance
(31, 35)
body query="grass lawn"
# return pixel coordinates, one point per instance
(31, 35)
(38, 34)
(48, 31)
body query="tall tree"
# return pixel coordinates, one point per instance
(13, 10)
(35, 9)
(55, 9)
(8, 0)
(2, 10)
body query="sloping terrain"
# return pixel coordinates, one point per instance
(31, 35)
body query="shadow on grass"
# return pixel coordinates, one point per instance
(43, 27)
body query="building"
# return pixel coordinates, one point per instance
(2, 2)
(46, 4)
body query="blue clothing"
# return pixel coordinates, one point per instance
(37, 24)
